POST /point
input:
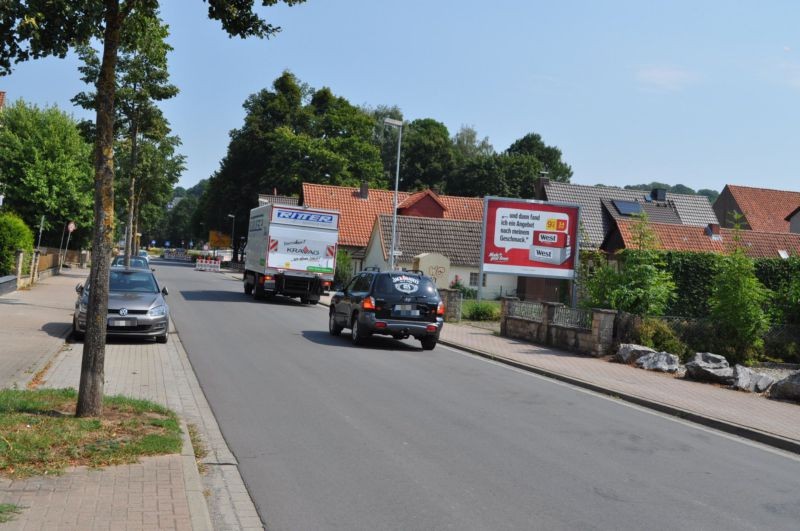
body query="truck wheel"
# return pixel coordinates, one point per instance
(355, 332)
(248, 288)
(428, 343)
(333, 327)
(303, 301)
(258, 292)
(312, 302)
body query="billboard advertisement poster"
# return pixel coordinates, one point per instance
(530, 238)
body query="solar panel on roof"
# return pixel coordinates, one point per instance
(627, 208)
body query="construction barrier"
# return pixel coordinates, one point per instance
(207, 265)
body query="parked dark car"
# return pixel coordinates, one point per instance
(136, 305)
(400, 304)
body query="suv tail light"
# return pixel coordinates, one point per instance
(368, 303)
(440, 309)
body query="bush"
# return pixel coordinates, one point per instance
(657, 334)
(344, 268)
(466, 292)
(481, 311)
(737, 308)
(14, 235)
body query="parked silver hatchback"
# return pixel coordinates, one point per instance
(136, 306)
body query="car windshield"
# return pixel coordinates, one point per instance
(395, 284)
(135, 281)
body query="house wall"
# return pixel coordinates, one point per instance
(723, 206)
(425, 208)
(496, 285)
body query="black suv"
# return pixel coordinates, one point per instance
(393, 303)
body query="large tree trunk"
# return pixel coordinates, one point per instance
(90, 393)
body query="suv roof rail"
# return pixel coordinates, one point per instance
(417, 271)
(371, 268)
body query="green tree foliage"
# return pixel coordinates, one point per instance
(344, 268)
(39, 28)
(14, 235)
(737, 307)
(468, 146)
(692, 273)
(46, 167)
(292, 134)
(427, 157)
(549, 156)
(641, 286)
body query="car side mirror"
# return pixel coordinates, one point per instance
(152, 269)
(79, 288)
(164, 291)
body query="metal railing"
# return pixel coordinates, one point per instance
(573, 318)
(525, 310)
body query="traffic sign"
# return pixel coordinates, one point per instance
(71, 227)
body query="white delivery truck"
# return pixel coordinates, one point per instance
(290, 251)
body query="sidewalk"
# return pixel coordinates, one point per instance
(163, 492)
(746, 414)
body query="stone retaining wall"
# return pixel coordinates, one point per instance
(595, 341)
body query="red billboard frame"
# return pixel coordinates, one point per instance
(510, 227)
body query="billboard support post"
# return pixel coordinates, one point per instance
(483, 248)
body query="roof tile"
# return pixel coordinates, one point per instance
(458, 240)
(765, 209)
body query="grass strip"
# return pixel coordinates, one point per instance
(41, 435)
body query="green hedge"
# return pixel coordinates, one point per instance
(14, 235)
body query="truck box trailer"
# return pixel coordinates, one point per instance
(291, 251)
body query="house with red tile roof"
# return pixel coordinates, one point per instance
(360, 207)
(762, 209)
(710, 239)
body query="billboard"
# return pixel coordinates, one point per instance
(529, 238)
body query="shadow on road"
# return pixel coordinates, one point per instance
(56, 329)
(214, 295)
(322, 337)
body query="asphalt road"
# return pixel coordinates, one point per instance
(387, 436)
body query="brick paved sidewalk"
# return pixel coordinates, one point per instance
(164, 492)
(728, 406)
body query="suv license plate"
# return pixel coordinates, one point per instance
(406, 310)
(121, 322)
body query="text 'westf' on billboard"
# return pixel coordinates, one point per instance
(531, 238)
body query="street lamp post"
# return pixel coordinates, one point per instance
(399, 125)
(233, 227)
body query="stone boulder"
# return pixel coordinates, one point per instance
(747, 379)
(708, 367)
(629, 352)
(659, 361)
(787, 389)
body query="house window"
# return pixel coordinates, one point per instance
(473, 280)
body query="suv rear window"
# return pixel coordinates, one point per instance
(394, 284)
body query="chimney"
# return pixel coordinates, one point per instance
(538, 188)
(658, 194)
(364, 193)
(712, 230)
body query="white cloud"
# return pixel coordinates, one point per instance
(665, 78)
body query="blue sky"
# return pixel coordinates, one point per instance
(702, 93)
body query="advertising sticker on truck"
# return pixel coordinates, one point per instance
(303, 218)
(531, 238)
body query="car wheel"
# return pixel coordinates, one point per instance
(333, 327)
(428, 343)
(355, 332)
(76, 335)
(161, 339)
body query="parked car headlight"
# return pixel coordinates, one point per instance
(157, 311)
